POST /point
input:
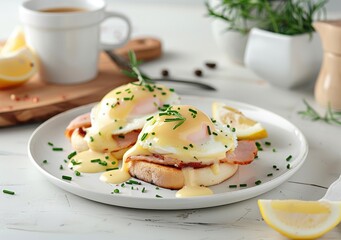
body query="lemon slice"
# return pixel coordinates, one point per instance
(17, 67)
(246, 128)
(15, 41)
(301, 219)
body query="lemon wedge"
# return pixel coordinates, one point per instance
(246, 128)
(17, 67)
(15, 41)
(301, 219)
(17, 62)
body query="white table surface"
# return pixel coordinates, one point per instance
(40, 209)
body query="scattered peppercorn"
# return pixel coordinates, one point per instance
(164, 73)
(211, 65)
(198, 73)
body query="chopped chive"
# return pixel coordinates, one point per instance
(150, 118)
(233, 129)
(191, 145)
(158, 196)
(121, 136)
(288, 158)
(103, 163)
(91, 139)
(163, 93)
(209, 130)
(243, 185)
(45, 161)
(214, 121)
(109, 169)
(50, 143)
(157, 188)
(113, 162)
(228, 126)
(61, 167)
(132, 188)
(132, 97)
(65, 160)
(106, 157)
(77, 173)
(259, 146)
(274, 166)
(153, 133)
(144, 136)
(277, 169)
(71, 155)
(150, 144)
(143, 189)
(192, 110)
(226, 146)
(75, 163)
(133, 182)
(126, 99)
(120, 127)
(184, 147)
(99, 133)
(66, 177)
(116, 190)
(214, 133)
(268, 143)
(232, 186)
(95, 160)
(8, 192)
(122, 185)
(171, 89)
(269, 175)
(288, 166)
(57, 149)
(118, 93)
(258, 182)
(274, 150)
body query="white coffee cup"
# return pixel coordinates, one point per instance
(67, 43)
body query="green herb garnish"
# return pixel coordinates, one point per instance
(66, 177)
(77, 173)
(57, 149)
(288, 158)
(50, 144)
(8, 192)
(116, 190)
(158, 196)
(329, 117)
(71, 155)
(258, 182)
(169, 112)
(243, 185)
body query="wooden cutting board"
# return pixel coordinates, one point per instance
(38, 100)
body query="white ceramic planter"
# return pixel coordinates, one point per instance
(285, 61)
(232, 44)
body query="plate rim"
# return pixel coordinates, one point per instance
(177, 203)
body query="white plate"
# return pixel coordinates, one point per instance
(285, 138)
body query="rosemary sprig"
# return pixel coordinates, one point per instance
(329, 117)
(134, 71)
(289, 17)
(173, 113)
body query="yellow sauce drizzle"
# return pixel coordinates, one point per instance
(86, 166)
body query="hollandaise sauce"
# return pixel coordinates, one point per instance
(92, 162)
(191, 187)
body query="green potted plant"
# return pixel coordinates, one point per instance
(286, 51)
(232, 21)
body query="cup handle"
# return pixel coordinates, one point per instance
(111, 46)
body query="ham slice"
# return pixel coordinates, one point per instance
(244, 154)
(126, 140)
(82, 121)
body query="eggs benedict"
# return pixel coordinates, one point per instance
(114, 124)
(182, 148)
